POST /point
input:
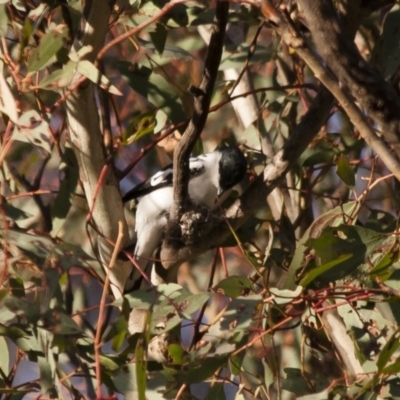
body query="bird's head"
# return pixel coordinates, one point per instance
(232, 167)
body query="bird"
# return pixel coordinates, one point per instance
(211, 176)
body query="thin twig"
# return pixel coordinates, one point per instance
(97, 340)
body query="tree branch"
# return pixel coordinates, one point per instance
(293, 39)
(202, 101)
(87, 143)
(362, 80)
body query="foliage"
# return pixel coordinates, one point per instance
(302, 303)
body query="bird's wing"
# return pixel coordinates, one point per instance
(162, 178)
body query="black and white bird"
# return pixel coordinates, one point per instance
(211, 175)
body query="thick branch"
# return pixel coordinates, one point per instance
(363, 81)
(293, 39)
(101, 190)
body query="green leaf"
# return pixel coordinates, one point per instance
(3, 20)
(5, 356)
(140, 370)
(239, 314)
(166, 316)
(63, 201)
(345, 172)
(388, 350)
(201, 369)
(169, 52)
(233, 286)
(295, 382)
(154, 88)
(337, 242)
(117, 332)
(108, 363)
(216, 392)
(237, 57)
(49, 45)
(176, 352)
(59, 78)
(140, 126)
(331, 218)
(393, 368)
(386, 52)
(125, 379)
(382, 268)
(314, 273)
(86, 68)
(159, 37)
(14, 213)
(46, 375)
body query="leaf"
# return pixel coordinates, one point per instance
(5, 356)
(216, 392)
(3, 21)
(38, 248)
(388, 350)
(125, 380)
(159, 37)
(201, 369)
(166, 316)
(116, 332)
(14, 213)
(295, 382)
(168, 51)
(8, 105)
(382, 267)
(285, 296)
(59, 78)
(341, 241)
(315, 272)
(31, 128)
(49, 45)
(176, 352)
(46, 375)
(239, 315)
(331, 218)
(140, 371)
(233, 286)
(345, 172)
(86, 68)
(386, 52)
(140, 126)
(236, 58)
(154, 88)
(63, 201)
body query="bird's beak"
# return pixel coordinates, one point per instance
(218, 197)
